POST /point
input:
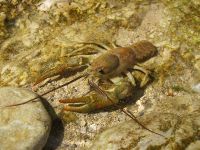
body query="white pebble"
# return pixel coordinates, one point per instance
(196, 87)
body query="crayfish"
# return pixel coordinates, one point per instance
(112, 76)
(115, 71)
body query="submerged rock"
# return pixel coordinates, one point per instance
(36, 36)
(177, 119)
(22, 127)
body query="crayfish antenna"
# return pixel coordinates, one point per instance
(47, 92)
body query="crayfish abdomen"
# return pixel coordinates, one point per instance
(143, 50)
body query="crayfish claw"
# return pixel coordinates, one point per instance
(87, 103)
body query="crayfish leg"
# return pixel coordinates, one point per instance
(52, 72)
(145, 79)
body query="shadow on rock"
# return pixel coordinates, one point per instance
(57, 131)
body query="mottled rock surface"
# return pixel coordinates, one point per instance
(22, 127)
(176, 118)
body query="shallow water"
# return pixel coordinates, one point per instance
(36, 37)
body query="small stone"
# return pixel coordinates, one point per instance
(196, 88)
(83, 130)
(194, 145)
(83, 123)
(25, 126)
(92, 128)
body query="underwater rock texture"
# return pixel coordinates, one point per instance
(24, 127)
(37, 35)
(176, 118)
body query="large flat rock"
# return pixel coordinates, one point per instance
(176, 118)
